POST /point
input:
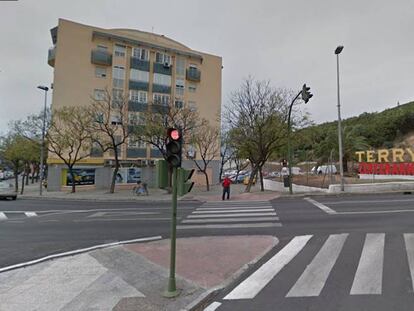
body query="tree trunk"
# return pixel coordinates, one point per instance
(261, 179)
(207, 182)
(23, 179)
(345, 163)
(27, 169)
(116, 169)
(16, 179)
(73, 179)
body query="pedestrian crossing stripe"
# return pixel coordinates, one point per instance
(237, 214)
(367, 279)
(6, 215)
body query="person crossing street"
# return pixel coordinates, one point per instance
(226, 188)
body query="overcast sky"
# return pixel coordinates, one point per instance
(288, 42)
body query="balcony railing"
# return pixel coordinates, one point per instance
(138, 85)
(162, 68)
(162, 109)
(140, 64)
(136, 152)
(99, 57)
(193, 74)
(157, 88)
(51, 55)
(137, 106)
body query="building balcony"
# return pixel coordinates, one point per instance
(157, 88)
(138, 85)
(162, 68)
(96, 153)
(136, 152)
(137, 106)
(193, 74)
(139, 64)
(135, 129)
(99, 57)
(162, 109)
(51, 55)
(156, 153)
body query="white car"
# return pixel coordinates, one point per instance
(7, 191)
(325, 169)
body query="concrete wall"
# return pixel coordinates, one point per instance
(370, 188)
(54, 173)
(278, 186)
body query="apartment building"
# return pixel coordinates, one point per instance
(150, 69)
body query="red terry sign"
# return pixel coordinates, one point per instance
(386, 168)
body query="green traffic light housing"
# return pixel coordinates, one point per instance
(184, 181)
(306, 94)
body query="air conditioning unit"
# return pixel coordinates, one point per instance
(144, 162)
(167, 65)
(151, 162)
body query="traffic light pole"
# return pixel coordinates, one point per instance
(172, 290)
(289, 145)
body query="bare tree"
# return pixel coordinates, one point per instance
(110, 130)
(257, 116)
(69, 136)
(206, 141)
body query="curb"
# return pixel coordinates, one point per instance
(76, 252)
(24, 197)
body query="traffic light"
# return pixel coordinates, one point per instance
(184, 181)
(174, 147)
(306, 94)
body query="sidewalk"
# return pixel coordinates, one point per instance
(132, 277)
(198, 193)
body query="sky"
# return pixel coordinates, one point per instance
(288, 42)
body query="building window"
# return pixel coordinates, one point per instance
(138, 96)
(179, 104)
(99, 94)
(117, 98)
(180, 66)
(192, 87)
(161, 79)
(192, 106)
(100, 72)
(161, 99)
(140, 53)
(118, 77)
(162, 58)
(179, 87)
(115, 119)
(139, 75)
(136, 118)
(119, 50)
(135, 143)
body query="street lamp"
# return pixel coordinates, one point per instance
(338, 50)
(44, 88)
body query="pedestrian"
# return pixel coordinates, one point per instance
(226, 188)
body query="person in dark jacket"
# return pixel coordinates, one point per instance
(226, 188)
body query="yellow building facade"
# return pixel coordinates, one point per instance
(148, 68)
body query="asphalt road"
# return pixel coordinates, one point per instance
(351, 252)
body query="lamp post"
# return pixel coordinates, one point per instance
(338, 50)
(44, 88)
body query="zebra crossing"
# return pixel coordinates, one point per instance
(11, 215)
(231, 214)
(367, 275)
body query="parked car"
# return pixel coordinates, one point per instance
(7, 191)
(240, 178)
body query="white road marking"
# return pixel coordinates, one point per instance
(234, 211)
(321, 206)
(228, 203)
(213, 306)
(78, 251)
(232, 208)
(232, 215)
(368, 277)
(30, 214)
(121, 219)
(369, 202)
(409, 246)
(251, 286)
(3, 216)
(189, 221)
(120, 213)
(229, 226)
(313, 279)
